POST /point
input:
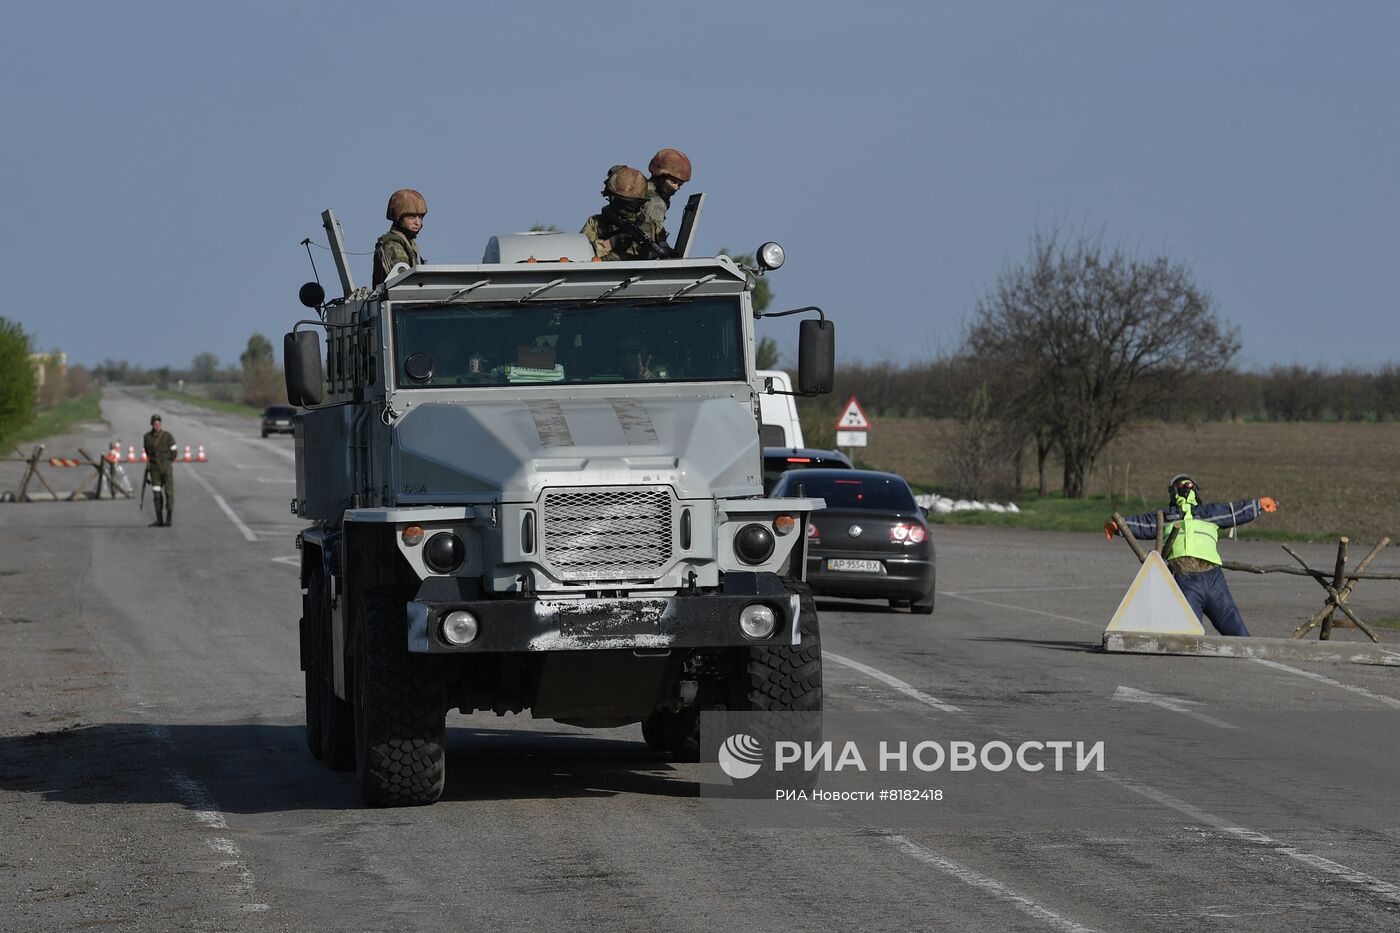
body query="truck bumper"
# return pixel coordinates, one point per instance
(704, 620)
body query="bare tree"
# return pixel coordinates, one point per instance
(1095, 337)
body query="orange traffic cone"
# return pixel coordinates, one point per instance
(115, 453)
(188, 458)
(130, 453)
(199, 457)
(144, 458)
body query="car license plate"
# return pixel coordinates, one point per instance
(854, 566)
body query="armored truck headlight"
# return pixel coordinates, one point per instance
(460, 628)
(444, 552)
(770, 256)
(757, 621)
(754, 544)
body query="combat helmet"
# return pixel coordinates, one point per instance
(626, 182)
(671, 162)
(405, 201)
(155, 418)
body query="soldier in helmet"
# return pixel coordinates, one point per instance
(400, 244)
(669, 168)
(620, 230)
(160, 472)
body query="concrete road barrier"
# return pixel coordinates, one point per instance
(1274, 649)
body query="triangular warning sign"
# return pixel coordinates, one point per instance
(852, 417)
(1154, 604)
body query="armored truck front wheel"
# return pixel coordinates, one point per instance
(400, 709)
(781, 693)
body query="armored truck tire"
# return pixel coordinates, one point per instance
(656, 730)
(400, 708)
(786, 680)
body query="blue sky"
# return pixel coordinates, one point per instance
(163, 161)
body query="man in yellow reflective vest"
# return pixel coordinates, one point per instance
(1190, 532)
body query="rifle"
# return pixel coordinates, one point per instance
(145, 481)
(652, 249)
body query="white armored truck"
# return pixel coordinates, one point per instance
(535, 483)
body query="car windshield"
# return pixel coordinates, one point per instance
(280, 411)
(700, 340)
(855, 491)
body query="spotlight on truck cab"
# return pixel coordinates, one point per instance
(770, 256)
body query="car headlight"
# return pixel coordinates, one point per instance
(444, 552)
(754, 544)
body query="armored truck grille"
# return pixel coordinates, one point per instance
(607, 535)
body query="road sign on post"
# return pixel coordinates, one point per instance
(852, 428)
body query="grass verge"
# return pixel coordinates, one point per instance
(59, 419)
(1054, 513)
(213, 404)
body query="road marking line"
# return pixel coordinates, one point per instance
(196, 796)
(247, 532)
(290, 479)
(1175, 704)
(1039, 612)
(906, 689)
(1388, 701)
(990, 885)
(294, 560)
(1385, 890)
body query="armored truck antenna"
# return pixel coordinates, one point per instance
(337, 244)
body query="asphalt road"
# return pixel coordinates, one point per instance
(154, 773)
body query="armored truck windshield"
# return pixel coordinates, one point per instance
(448, 345)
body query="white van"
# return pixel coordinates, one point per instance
(779, 426)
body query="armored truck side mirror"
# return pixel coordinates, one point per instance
(816, 357)
(301, 351)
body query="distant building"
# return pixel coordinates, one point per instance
(42, 362)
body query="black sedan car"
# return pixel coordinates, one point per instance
(279, 419)
(871, 540)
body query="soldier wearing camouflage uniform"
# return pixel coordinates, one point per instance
(669, 168)
(614, 230)
(160, 472)
(400, 244)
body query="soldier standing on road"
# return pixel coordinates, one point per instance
(400, 244)
(160, 472)
(620, 230)
(1191, 531)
